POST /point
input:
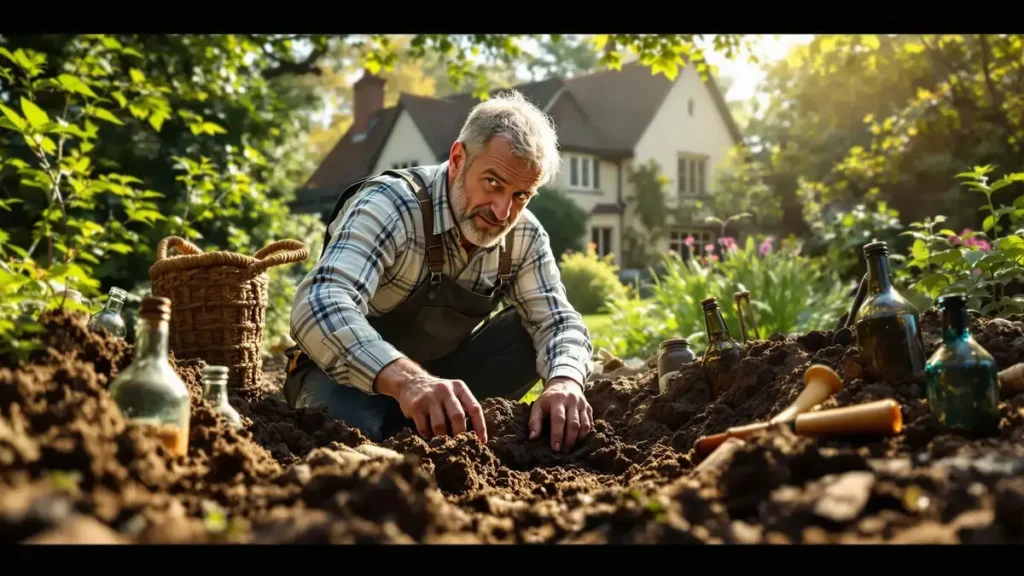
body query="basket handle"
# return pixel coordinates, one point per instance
(182, 245)
(277, 253)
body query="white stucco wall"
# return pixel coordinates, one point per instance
(674, 131)
(406, 144)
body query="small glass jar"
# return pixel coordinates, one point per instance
(672, 355)
(215, 384)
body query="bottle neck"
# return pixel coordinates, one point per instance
(715, 325)
(114, 305)
(954, 323)
(878, 274)
(217, 391)
(152, 339)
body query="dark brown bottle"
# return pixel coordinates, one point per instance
(723, 354)
(888, 326)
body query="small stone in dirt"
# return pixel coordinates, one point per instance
(845, 497)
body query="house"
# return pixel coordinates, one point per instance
(607, 122)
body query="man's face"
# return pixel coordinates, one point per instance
(489, 195)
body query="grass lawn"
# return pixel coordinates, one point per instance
(595, 323)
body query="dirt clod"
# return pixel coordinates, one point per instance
(73, 470)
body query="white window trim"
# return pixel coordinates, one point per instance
(677, 238)
(586, 167)
(603, 251)
(695, 181)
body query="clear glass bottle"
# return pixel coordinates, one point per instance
(887, 325)
(149, 391)
(109, 318)
(215, 390)
(723, 354)
(961, 377)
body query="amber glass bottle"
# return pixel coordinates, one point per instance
(961, 376)
(149, 391)
(888, 328)
(723, 354)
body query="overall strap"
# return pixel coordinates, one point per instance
(352, 189)
(505, 260)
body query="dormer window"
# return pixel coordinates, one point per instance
(584, 172)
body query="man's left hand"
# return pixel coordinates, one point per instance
(572, 418)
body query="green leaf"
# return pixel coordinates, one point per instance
(104, 114)
(73, 84)
(137, 76)
(17, 120)
(989, 223)
(34, 114)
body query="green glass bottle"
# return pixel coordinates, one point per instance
(723, 354)
(888, 326)
(961, 377)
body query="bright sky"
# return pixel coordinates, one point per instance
(745, 75)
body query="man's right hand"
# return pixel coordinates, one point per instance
(431, 402)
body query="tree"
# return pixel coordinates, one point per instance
(564, 221)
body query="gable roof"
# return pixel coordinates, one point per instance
(604, 113)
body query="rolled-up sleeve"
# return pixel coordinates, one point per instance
(559, 335)
(328, 319)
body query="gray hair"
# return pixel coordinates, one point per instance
(529, 130)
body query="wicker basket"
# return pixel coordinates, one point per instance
(219, 303)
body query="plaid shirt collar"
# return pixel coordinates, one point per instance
(444, 216)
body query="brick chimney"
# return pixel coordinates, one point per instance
(368, 96)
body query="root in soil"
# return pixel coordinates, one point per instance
(73, 470)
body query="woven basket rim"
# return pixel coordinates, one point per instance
(274, 254)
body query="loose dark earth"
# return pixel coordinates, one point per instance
(72, 470)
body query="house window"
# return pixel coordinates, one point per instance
(602, 237)
(403, 165)
(691, 178)
(677, 241)
(584, 173)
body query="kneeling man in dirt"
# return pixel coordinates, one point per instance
(399, 323)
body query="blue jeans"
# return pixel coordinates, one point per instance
(498, 360)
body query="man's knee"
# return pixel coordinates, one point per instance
(368, 413)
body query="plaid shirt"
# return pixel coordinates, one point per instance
(376, 258)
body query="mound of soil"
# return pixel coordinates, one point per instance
(73, 470)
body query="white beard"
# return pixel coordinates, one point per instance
(483, 237)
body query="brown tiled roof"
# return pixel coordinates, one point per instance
(604, 113)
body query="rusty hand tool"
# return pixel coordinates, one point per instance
(737, 298)
(883, 417)
(753, 317)
(820, 382)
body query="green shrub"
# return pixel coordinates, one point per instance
(590, 281)
(789, 293)
(563, 219)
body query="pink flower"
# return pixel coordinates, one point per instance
(688, 241)
(729, 243)
(765, 246)
(709, 248)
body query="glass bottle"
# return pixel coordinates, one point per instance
(109, 318)
(149, 391)
(961, 377)
(723, 354)
(215, 387)
(888, 326)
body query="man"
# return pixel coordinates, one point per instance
(413, 262)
